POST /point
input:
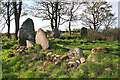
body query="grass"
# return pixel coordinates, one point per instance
(22, 67)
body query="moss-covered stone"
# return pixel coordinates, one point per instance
(100, 49)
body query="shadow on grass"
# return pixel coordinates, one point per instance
(116, 51)
(61, 42)
(68, 37)
(58, 48)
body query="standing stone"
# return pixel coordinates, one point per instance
(26, 32)
(56, 33)
(83, 32)
(41, 38)
(29, 43)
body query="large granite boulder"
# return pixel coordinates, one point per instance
(56, 33)
(84, 32)
(41, 38)
(76, 52)
(26, 32)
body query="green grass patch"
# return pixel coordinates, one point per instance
(23, 67)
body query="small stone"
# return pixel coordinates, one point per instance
(100, 49)
(93, 50)
(67, 60)
(58, 56)
(58, 62)
(72, 64)
(82, 60)
(55, 58)
(92, 58)
(69, 54)
(108, 69)
(78, 61)
(49, 56)
(29, 43)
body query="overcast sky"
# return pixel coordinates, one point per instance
(39, 23)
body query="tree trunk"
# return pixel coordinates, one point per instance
(71, 16)
(94, 23)
(70, 27)
(8, 19)
(59, 18)
(56, 10)
(52, 18)
(17, 26)
(17, 13)
(52, 26)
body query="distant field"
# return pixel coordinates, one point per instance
(22, 67)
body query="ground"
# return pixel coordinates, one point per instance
(22, 67)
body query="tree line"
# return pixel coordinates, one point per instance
(7, 10)
(93, 16)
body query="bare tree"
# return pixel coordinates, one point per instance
(50, 10)
(72, 8)
(55, 12)
(95, 14)
(6, 13)
(109, 20)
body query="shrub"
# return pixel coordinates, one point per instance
(94, 35)
(111, 34)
